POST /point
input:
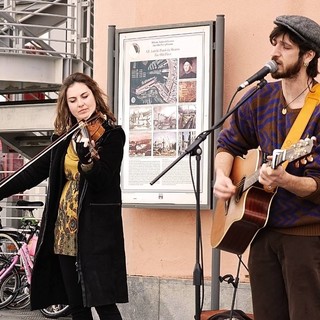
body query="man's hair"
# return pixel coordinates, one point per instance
(312, 69)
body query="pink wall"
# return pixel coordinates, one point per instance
(162, 242)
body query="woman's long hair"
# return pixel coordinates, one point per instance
(64, 119)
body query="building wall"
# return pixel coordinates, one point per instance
(161, 243)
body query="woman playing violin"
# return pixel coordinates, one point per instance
(80, 258)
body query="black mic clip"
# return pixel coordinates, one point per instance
(262, 83)
(229, 279)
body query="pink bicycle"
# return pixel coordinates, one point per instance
(17, 250)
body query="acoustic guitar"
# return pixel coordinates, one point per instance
(237, 221)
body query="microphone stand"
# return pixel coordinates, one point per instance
(195, 150)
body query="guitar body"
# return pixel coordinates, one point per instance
(237, 221)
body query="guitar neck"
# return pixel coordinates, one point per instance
(250, 180)
(279, 156)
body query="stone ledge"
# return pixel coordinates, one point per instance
(156, 298)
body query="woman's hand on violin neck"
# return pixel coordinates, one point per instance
(84, 153)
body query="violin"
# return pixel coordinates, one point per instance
(91, 131)
(95, 128)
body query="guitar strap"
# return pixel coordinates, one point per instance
(295, 132)
(299, 125)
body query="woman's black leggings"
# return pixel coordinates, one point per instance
(73, 288)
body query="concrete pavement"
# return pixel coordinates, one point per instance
(25, 314)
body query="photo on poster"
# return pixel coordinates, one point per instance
(185, 138)
(188, 68)
(140, 118)
(164, 117)
(165, 144)
(187, 116)
(187, 91)
(153, 81)
(140, 144)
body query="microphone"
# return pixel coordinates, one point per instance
(270, 67)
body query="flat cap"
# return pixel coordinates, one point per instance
(305, 28)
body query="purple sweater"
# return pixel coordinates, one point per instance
(259, 122)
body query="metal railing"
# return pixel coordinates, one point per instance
(10, 213)
(57, 28)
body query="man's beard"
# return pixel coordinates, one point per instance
(291, 71)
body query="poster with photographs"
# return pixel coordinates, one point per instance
(163, 102)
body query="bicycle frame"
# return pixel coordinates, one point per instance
(5, 271)
(27, 263)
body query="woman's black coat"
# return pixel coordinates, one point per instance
(101, 256)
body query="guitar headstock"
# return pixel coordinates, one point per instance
(298, 150)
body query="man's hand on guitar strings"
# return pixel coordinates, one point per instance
(223, 187)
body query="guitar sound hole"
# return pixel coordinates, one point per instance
(239, 191)
(226, 207)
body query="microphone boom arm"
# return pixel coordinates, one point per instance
(203, 135)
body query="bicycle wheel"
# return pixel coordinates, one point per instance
(23, 298)
(9, 285)
(55, 311)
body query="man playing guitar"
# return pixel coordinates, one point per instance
(284, 258)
